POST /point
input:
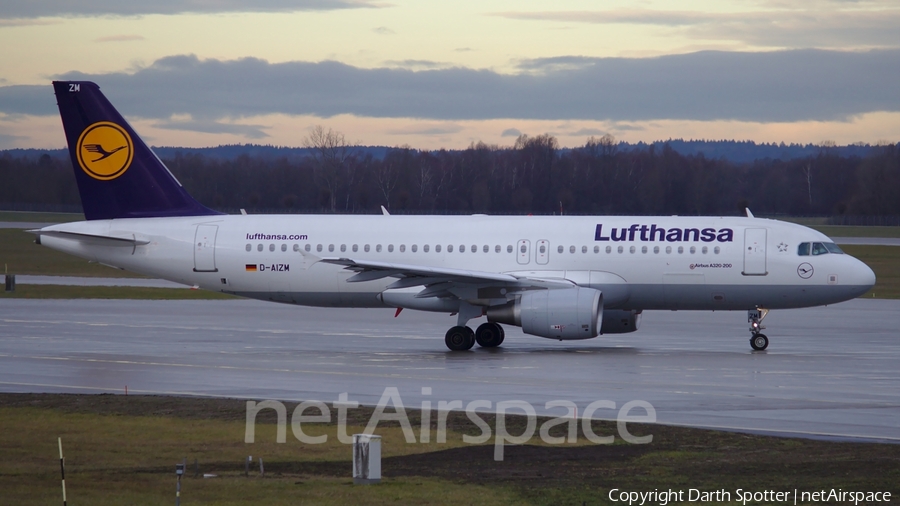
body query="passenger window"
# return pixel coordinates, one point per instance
(680, 250)
(656, 249)
(571, 249)
(609, 249)
(668, 250)
(523, 249)
(704, 250)
(271, 247)
(509, 248)
(307, 247)
(296, 247)
(621, 249)
(803, 249)
(377, 248)
(462, 248)
(425, 248)
(584, 249)
(402, 248)
(318, 248)
(631, 249)
(487, 248)
(284, 247)
(343, 248)
(414, 248)
(596, 249)
(259, 247)
(643, 249)
(437, 248)
(249, 247)
(543, 249)
(355, 248)
(390, 248)
(560, 249)
(693, 249)
(449, 248)
(366, 248)
(819, 249)
(474, 249)
(716, 250)
(331, 247)
(497, 249)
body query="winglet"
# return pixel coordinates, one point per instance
(749, 214)
(385, 211)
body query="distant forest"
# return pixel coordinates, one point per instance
(533, 176)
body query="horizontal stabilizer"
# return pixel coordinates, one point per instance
(114, 239)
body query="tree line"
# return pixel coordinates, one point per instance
(533, 176)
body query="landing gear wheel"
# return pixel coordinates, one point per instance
(489, 335)
(759, 342)
(460, 338)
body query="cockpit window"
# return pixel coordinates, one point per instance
(833, 248)
(819, 249)
(803, 249)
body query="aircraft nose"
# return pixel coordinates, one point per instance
(862, 275)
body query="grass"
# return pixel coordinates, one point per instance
(122, 450)
(28, 216)
(844, 231)
(885, 261)
(110, 292)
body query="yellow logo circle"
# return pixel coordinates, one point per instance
(105, 150)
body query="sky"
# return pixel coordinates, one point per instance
(435, 74)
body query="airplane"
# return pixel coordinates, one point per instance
(557, 277)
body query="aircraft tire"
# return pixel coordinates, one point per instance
(460, 338)
(759, 342)
(489, 335)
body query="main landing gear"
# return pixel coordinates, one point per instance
(758, 340)
(462, 338)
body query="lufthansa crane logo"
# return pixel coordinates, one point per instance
(105, 150)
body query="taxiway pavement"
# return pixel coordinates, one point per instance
(829, 372)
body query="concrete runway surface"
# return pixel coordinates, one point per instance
(829, 372)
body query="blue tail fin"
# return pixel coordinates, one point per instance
(117, 174)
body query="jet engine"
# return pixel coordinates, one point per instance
(620, 321)
(568, 313)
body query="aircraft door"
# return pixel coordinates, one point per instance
(542, 252)
(523, 255)
(205, 248)
(754, 252)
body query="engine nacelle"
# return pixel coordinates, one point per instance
(620, 321)
(569, 313)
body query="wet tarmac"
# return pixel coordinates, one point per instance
(829, 372)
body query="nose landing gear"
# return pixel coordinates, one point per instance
(758, 340)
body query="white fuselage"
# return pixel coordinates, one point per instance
(637, 262)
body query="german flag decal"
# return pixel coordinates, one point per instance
(250, 267)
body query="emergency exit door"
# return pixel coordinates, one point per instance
(205, 248)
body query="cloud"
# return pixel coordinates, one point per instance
(119, 38)
(781, 86)
(18, 9)
(824, 25)
(416, 64)
(383, 30)
(213, 127)
(589, 131)
(511, 132)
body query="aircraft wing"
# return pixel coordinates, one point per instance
(438, 280)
